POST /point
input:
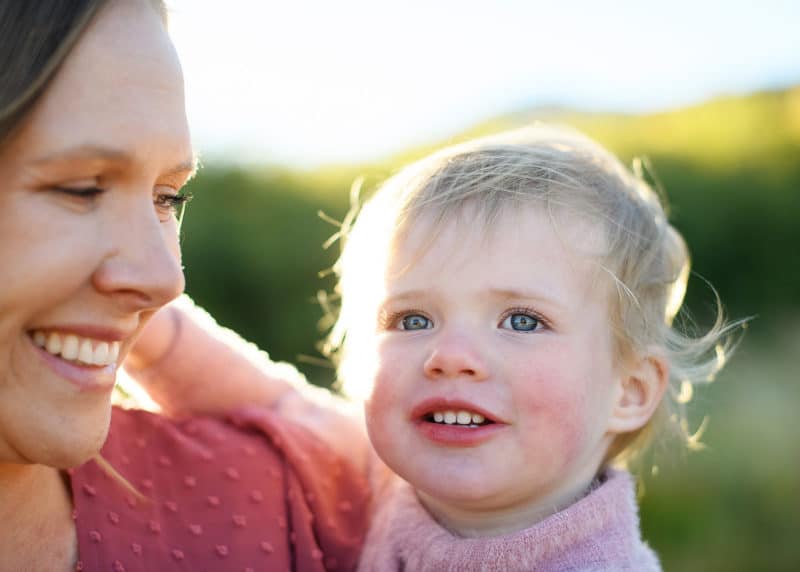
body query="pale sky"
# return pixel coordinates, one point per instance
(306, 83)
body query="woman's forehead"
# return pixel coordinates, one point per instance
(121, 87)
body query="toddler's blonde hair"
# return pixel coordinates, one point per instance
(561, 171)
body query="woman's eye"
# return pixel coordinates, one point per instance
(520, 322)
(81, 193)
(171, 205)
(80, 199)
(415, 322)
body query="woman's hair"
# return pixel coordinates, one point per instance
(35, 38)
(564, 173)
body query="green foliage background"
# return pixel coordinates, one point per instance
(731, 168)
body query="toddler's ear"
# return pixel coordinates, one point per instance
(640, 391)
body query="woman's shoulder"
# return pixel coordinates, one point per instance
(242, 491)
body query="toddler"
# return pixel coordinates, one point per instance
(506, 311)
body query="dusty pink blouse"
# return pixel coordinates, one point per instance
(252, 492)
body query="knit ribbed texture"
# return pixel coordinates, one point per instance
(600, 532)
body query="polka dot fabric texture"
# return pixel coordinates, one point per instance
(249, 493)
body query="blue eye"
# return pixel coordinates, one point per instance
(520, 322)
(415, 322)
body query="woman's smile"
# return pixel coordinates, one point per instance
(88, 362)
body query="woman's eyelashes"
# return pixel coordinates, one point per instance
(79, 198)
(171, 204)
(168, 202)
(81, 192)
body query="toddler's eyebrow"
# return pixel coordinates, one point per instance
(404, 295)
(541, 297)
(546, 298)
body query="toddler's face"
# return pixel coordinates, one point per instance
(495, 377)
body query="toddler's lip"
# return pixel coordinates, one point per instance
(454, 412)
(456, 423)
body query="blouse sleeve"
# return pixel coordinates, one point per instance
(335, 494)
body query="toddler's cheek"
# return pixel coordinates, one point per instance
(381, 408)
(385, 398)
(555, 426)
(568, 439)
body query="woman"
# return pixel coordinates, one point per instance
(94, 149)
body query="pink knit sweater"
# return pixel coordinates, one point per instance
(599, 533)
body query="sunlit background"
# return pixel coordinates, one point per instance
(291, 101)
(309, 83)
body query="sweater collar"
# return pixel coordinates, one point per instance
(602, 527)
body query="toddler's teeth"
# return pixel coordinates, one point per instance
(462, 417)
(53, 343)
(101, 354)
(39, 338)
(85, 353)
(69, 349)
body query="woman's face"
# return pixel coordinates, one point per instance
(88, 240)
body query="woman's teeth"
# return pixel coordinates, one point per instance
(77, 349)
(458, 417)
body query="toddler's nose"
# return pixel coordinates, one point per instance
(453, 357)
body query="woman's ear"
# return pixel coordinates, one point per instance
(641, 389)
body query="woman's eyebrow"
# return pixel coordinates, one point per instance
(89, 152)
(85, 153)
(187, 168)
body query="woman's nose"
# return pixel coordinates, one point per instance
(454, 356)
(142, 268)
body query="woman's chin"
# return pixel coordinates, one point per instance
(72, 444)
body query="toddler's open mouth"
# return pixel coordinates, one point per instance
(461, 418)
(456, 422)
